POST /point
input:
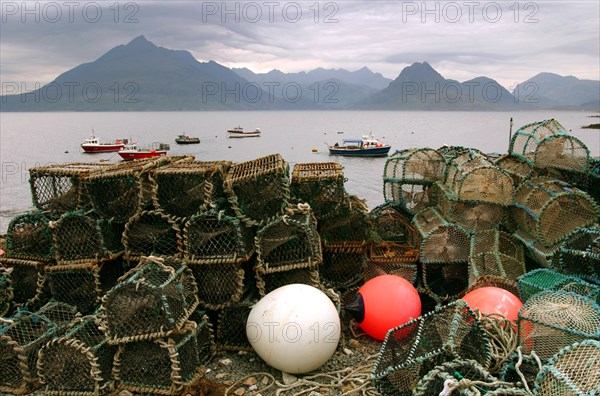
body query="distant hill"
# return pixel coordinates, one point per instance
(549, 90)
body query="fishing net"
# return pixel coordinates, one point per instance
(152, 233)
(184, 188)
(348, 232)
(522, 368)
(27, 280)
(112, 236)
(152, 300)
(6, 291)
(392, 224)
(594, 182)
(445, 281)
(21, 340)
(60, 188)
(464, 377)
(450, 152)
(77, 239)
(580, 252)
(422, 165)
(518, 169)
(536, 251)
(79, 362)
(551, 320)
(258, 190)
(342, 269)
(29, 237)
(213, 237)
(412, 350)
(472, 216)
(495, 252)
(441, 241)
(289, 242)
(266, 281)
(473, 177)
(494, 281)
(573, 371)
(219, 284)
(392, 258)
(321, 185)
(159, 366)
(231, 326)
(550, 209)
(412, 197)
(205, 336)
(546, 144)
(542, 279)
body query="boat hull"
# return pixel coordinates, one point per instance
(101, 148)
(370, 152)
(189, 141)
(232, 135)
(129, 156)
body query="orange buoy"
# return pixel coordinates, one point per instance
(494, 300)
(385, 302)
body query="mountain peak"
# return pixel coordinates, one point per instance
(140, 42)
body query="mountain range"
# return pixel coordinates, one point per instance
(141, 76)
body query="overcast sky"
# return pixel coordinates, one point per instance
(509, 41)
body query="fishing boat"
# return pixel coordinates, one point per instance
(131, 151)
(185, 139)
(94, 145)
(366, 146)
(238, 132)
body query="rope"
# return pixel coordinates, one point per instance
(518, 365)
(450, 385)
(503, 338)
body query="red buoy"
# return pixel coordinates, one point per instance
(494, 300)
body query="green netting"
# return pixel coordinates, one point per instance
(441, 241)
(350, 231)
(151, 233)
(213, 237)
(450, 152)
(266, 282)
(152, 300)
(536, 251)
(580, 252)
(594, 179)
(231, 326)
(6, 291)
(422, 165)
(542, 279)
(21, 340)
(77, 363)
(77, 239)
(76, 284)
(551, 320)
(412, 350)
(159, 366)
(342, 269)
(573, 371)
(550, 209)
(29, 237)
(547, 144)
(495, 252)
(258, 190)
(289, 242)
(412, 197)
(321, 185)
(185, 188)
(518, 169)
(219, 284)
(473, 177)
(28, 280)
(60, 188)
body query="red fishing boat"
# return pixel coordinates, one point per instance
(94, 145)
(131, 151)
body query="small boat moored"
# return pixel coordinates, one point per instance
(94, 145)
(367, 146)
(131, 151)
(238, 132)
(185, 139)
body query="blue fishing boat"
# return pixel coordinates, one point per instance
(366, 146)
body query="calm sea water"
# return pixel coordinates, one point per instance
(34, 139)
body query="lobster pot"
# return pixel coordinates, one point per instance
(152, 300)
(455, 370)
(27, 280)
(231, 327)
(445, 281)
(77, 239)
(6, 291)
(441, 241)
(289, 242)
(518, 169)
(21, 340)
(420, 165)
(550, 209)
(152, 233)
(392, 258)
(258, 190)
(79, 362)
(412, 197)
(552, 320)
(60, 188)
(472, 177)
(415, 348)
(594, 179)
(392, 224)
(343, 268)
(495, 252)
(159, 366)
(450, 152)
(536, 251)
(119, 191)
(184, 188)
(112, 236)
(347, 231)
(580, 252)
(321, 185)
(527, 366)
(573, 371)
(472, 216)
(267, 281)
(542, 279)
(546, 144)
(215, 238)
(205, 336)
(219, 285)
(76, 284)
(29, 237)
